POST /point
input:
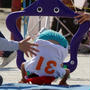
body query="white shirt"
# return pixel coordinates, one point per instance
(48, 61)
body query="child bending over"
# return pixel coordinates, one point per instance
(48, 62)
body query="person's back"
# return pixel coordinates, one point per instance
(53, 49)
(46, 62)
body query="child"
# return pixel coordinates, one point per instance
(48, 62)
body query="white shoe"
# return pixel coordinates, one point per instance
(6, 60)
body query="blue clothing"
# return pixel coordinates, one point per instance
(6, 45)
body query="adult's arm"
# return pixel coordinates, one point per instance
(23, 45)
(6, 45)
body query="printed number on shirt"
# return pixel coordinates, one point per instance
(48, 66)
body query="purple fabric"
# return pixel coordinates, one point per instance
(48, 10)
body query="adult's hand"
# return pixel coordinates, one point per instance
(82, 17)
(26, 47)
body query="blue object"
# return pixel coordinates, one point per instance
(52, 35)
(48, 8)
(18, 86)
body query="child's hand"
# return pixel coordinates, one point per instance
(23, 81)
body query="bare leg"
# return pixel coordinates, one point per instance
(64, 79)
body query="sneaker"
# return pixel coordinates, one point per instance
(6, 60)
